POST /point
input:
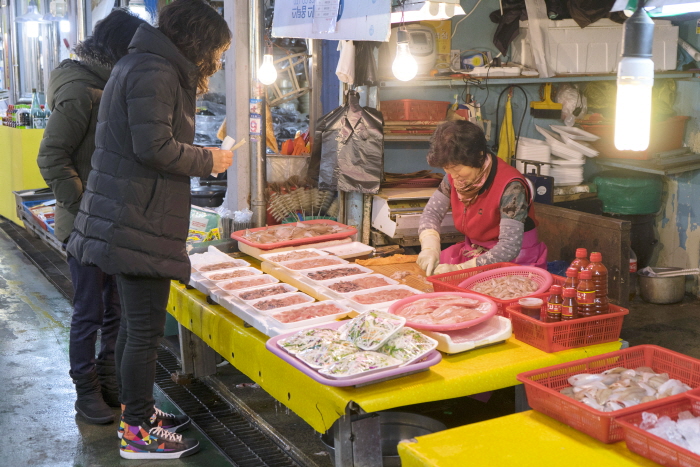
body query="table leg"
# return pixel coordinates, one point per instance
(357, 439)
(342, 441)
(198, 359)
(521, 404)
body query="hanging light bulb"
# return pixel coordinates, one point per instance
(32, 28)
(267, 73)
(404, 66)
(64, 26)
(635, 78)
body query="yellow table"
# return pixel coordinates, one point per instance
(18, 152)
(527, 439)
(481, 370)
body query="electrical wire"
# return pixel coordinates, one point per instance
(465, 17)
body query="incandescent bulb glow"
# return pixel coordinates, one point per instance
(635, 78)
(404, 66)
(267, 74)
(64, 26)
(32, 28)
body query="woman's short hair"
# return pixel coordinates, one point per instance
(457, 143)
(199, 32)
(110, 40)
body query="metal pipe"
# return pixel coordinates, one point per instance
(316, 84)
(14, 63)
(257, 127)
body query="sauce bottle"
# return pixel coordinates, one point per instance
(599, 274)
(554, 304)
(571, 278)
(581, 261)
(585, 294)
(531, 307)
(569, 308)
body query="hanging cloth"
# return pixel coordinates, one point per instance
(506, 137)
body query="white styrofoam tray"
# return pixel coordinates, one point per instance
(349, 250)
(376, 306)
(269, 257)
(496, 329)
(212, 256)
(237, 294)
(574, 133)
(296, 272)
(257, 252)
(307, 299)
(209, 275)
(327, 284)
(309, 322)
(365, 270)
(219, 290)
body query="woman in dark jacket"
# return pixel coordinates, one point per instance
(73, 95)
(134, 215)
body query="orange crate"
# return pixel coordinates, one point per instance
(449, 282)
(553, 337)
(414, 110)
(542, 387)
(655, 448)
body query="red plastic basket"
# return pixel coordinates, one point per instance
(542, 387)
(553, 337)
(449, 282)
(655, 448)
(346, 232)
(414, 110)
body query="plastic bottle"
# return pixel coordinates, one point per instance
(599, 275)
(554, 304)
(24, 118)
(585, 294)
(581, 261)
(571, 278)
(569, 307)
(37, 117)
(633, 274)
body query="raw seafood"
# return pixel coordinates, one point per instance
(619, 388)
(230, 275)
(280, 302)
(507, 287)
(312, 263)
(286, 232)
(446, 309)
(371, 329)
(334, 273)
(265, 292)
(293, 255)
(244, 284)
(327, 353)
(308, 339)
(361, 283)
(382, 296)
(360, 362)
(217, 266)
(684, 433)
(307, 312)
(407, 345)
(400, 275)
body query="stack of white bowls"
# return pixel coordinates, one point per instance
(570, 151)
(533, 150)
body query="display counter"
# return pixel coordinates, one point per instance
(527, 439)
(18, 153)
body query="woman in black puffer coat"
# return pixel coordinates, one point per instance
(134, 215)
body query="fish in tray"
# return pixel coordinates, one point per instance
(323, 275)
(286, 232)
(292, 255)
(507, 287)
(217, 266)
(316, 310)
(309, 339)
(446, 309)
(359, 284)
(382, 296)
(407, 345)
(262, 292)
(360, 362)
(244, 284)
(619, 388)
(230, 275)
(313, 263)
(273, 303)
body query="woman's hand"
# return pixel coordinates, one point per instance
(222, 160)
(429, 256)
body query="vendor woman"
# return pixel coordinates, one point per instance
(491, 205)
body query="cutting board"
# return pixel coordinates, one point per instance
(412, 280)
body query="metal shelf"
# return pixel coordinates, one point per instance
(506, 80)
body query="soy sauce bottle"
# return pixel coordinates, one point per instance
(569, 308)
(554, 304)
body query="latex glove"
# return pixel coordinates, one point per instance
(443, 268)
(429, 256)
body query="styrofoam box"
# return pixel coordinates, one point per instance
(330, 282)
(593, 49)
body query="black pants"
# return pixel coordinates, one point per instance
(95, 308)
(144, 303)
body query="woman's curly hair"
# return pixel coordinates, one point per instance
(110, 40)
(199, 32)
(457, 143)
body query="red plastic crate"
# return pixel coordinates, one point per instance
(449, 282)
(414, 110)
(655, 448)
(542, 387)
(553, 337)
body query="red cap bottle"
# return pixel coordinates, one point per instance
(569, 308)
(554, 304)
(585, 294)
(581, 261)
(571, 278)
(599, 274)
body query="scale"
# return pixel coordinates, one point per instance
(543, 184)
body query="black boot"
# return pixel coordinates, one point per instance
(107, 375)
(90, 403)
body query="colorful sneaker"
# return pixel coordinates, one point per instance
(167, 421)
(145, 442)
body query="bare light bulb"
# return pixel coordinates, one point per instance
(267, 74)
(64, 26)
(32, 28)
(635, 78)
(404, 67)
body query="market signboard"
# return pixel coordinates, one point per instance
(368, 20)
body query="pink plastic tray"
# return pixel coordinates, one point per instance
(446, 327)
(539, 275)
(433, 358)
(299, 241)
